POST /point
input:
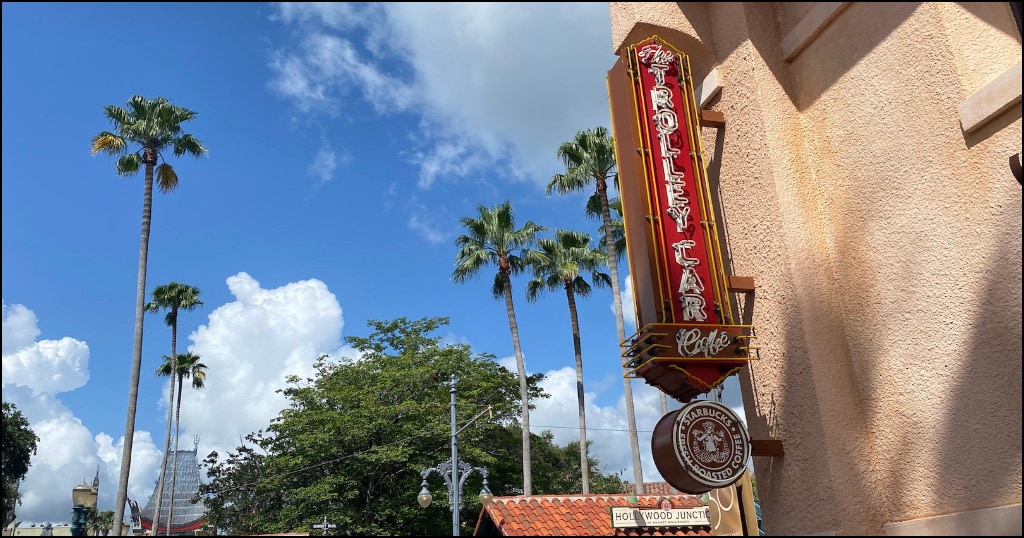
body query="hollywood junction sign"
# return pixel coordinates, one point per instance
(625, 517)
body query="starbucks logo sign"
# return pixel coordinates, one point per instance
(700, 447)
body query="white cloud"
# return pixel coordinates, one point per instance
(495, 85)
(19, 328)
(49, 366)
(250, 346)
(33, 372)
(432, 222)
(327, 161)
(294, 82)
(333, 14)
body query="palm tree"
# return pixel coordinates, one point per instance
(97, 522)
(173, 297)
(155, 125)
(186, 365)
(558, 263)
(590, 156)
(493, 239)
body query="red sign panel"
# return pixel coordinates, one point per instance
(687, 342)
(673, 184)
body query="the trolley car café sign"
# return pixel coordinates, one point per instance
(687, 342)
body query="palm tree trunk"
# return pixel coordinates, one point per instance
(584, 459)
(174, 461)
(613, 269)
(167, 436)
(163, 461)
(524, 392)
(133, 386)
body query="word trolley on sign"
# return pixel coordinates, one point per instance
(687, 343)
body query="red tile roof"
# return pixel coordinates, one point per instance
(658, 488)
(579, 515)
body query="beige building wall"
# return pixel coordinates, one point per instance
(863, 181)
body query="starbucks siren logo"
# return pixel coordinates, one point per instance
(711, 443)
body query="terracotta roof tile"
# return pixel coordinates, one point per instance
(659, 488)
(580, 515)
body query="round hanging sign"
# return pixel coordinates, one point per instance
(700, 447)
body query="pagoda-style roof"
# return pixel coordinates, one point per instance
(186, 517)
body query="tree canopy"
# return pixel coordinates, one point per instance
(356, 435)
(19, 445)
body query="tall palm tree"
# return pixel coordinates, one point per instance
(493, 239)
(97, 522)
(559, 263)
(590, 156)
(173, 297)
(155, 126)
(186, 365)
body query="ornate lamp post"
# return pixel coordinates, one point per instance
(454, 472)
(83, 499)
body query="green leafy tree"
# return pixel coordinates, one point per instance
(19, 445)
(590, 157)
(492, 239)
(155, 126)
(559, 263)
(187, 366)
(356, 435)
(358, 432)
(173, 297)
(230, 496)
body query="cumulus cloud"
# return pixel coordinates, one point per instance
(49, 366)
(33, 373)
(250, 345)
(20, 328)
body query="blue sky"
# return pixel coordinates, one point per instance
(345, 142)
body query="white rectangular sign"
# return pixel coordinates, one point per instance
(624, 516)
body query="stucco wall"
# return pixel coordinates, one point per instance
(886, 248)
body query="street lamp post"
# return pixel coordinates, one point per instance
(83, 499)
(454, 472)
